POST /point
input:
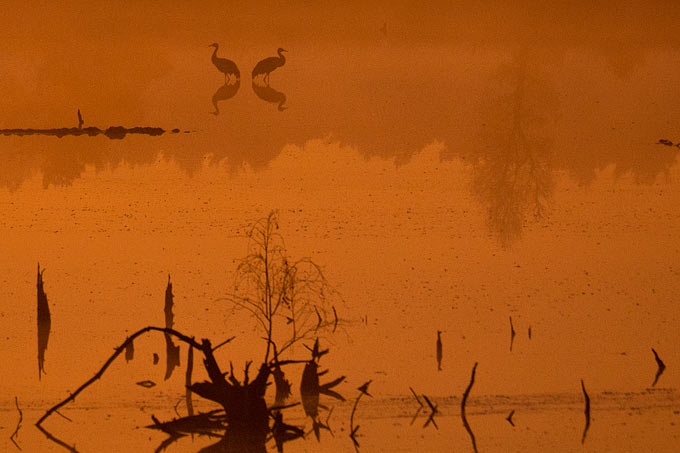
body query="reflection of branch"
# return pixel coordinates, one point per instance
(433, 409)
(108, 363)
(49, 436)
(462, 408)
(16, 431)
(187, 381)
(433, 412)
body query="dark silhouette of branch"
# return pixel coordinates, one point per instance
(509, 418)
(586, 412)
(16, 431)
(363, 390)
(416, 396)
(512, 334)
(118, 351)
(660, 367)
(462, 408)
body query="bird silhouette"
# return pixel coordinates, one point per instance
(267, 65)
(661, 367)
(269, 94)
(440, 351)
(226, 91)
(227, 67)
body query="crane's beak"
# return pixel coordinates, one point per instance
(284, 50)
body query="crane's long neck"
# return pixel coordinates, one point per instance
(214, 55)
(282, 58)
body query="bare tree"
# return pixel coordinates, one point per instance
(289, 299)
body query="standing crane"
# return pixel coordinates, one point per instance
(267, 65)
(227, 67)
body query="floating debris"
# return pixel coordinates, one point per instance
(113, 132)
(665, 142)
(147, 384)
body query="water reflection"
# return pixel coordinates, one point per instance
(269, 94)
(223, 93)
(513, 174)
(56, 440)
(311, 389)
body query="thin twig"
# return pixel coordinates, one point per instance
(215, 348)
(416, 396)
(63, 416)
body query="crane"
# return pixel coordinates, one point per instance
(267, 65)
(227, 67)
